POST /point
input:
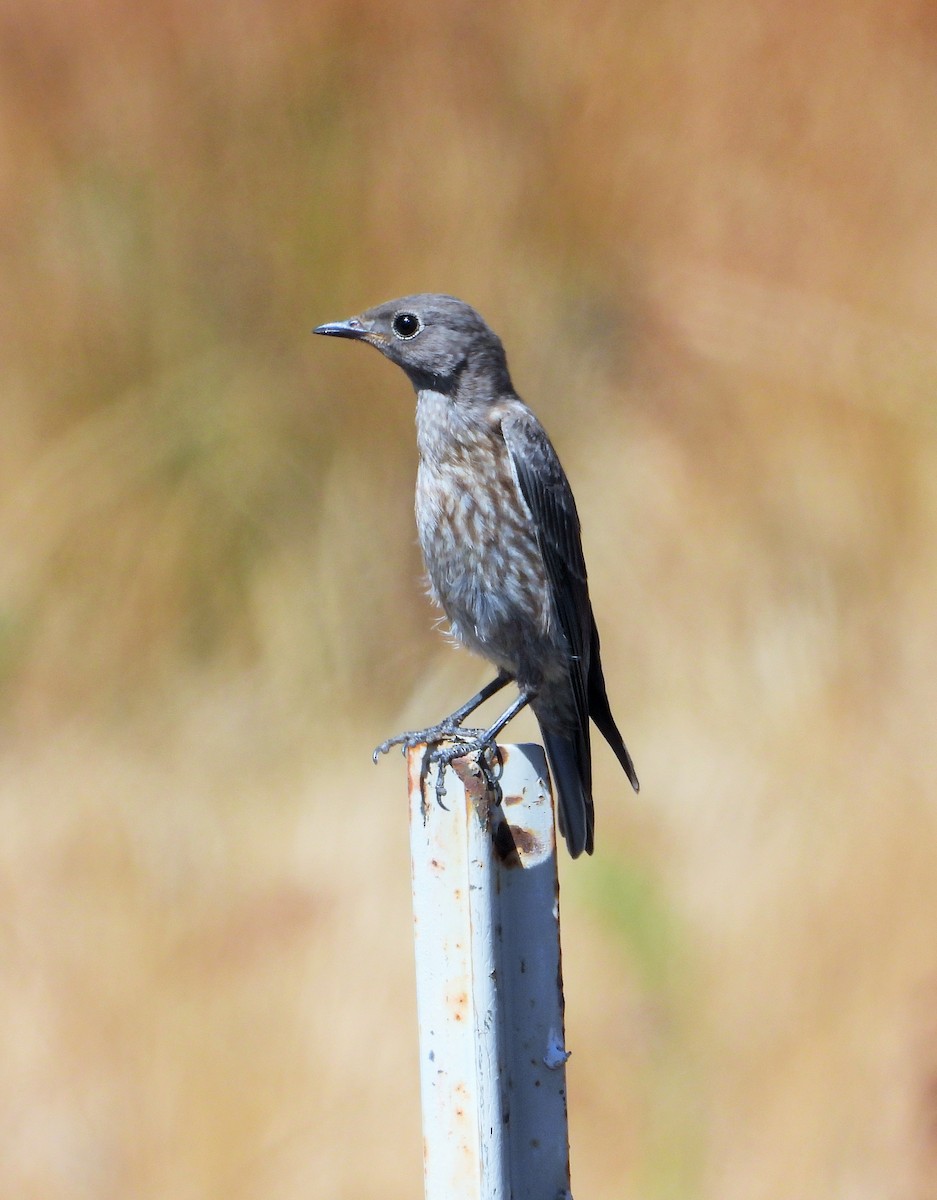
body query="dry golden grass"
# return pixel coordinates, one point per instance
(708, 239)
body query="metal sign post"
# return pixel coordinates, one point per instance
(489, 983)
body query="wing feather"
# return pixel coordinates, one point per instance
(549, 498)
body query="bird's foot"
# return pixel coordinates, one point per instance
(446, 730)
(460, 742)
(472, 741)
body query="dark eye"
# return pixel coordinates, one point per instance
(406, 325)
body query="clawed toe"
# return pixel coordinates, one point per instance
(403, 740)
(406, 741)
(445, 756)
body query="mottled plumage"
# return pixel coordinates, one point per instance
(500, 537)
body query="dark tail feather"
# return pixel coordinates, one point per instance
(601, 714)
(609, 730)
(573, 791)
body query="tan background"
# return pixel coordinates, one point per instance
(708, 236)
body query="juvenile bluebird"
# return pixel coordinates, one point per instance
(500, 537)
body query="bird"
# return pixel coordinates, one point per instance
(501, 542)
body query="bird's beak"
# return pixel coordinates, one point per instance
(354, 327)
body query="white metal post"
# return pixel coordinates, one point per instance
(489, 987)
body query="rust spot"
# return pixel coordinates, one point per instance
(524, 840)
(513, 841)
(471, 775)
(481, 792)
(515, 799)
(479, 776)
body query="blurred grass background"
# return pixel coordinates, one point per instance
(708, 237)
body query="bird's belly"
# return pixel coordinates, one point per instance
(483, 562)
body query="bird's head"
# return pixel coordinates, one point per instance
(437, 340)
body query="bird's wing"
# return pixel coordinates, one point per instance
(546, 491)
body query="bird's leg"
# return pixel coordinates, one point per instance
(490, 689)
(448, 727)
(474, 741)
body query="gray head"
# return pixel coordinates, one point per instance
(439, 341)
